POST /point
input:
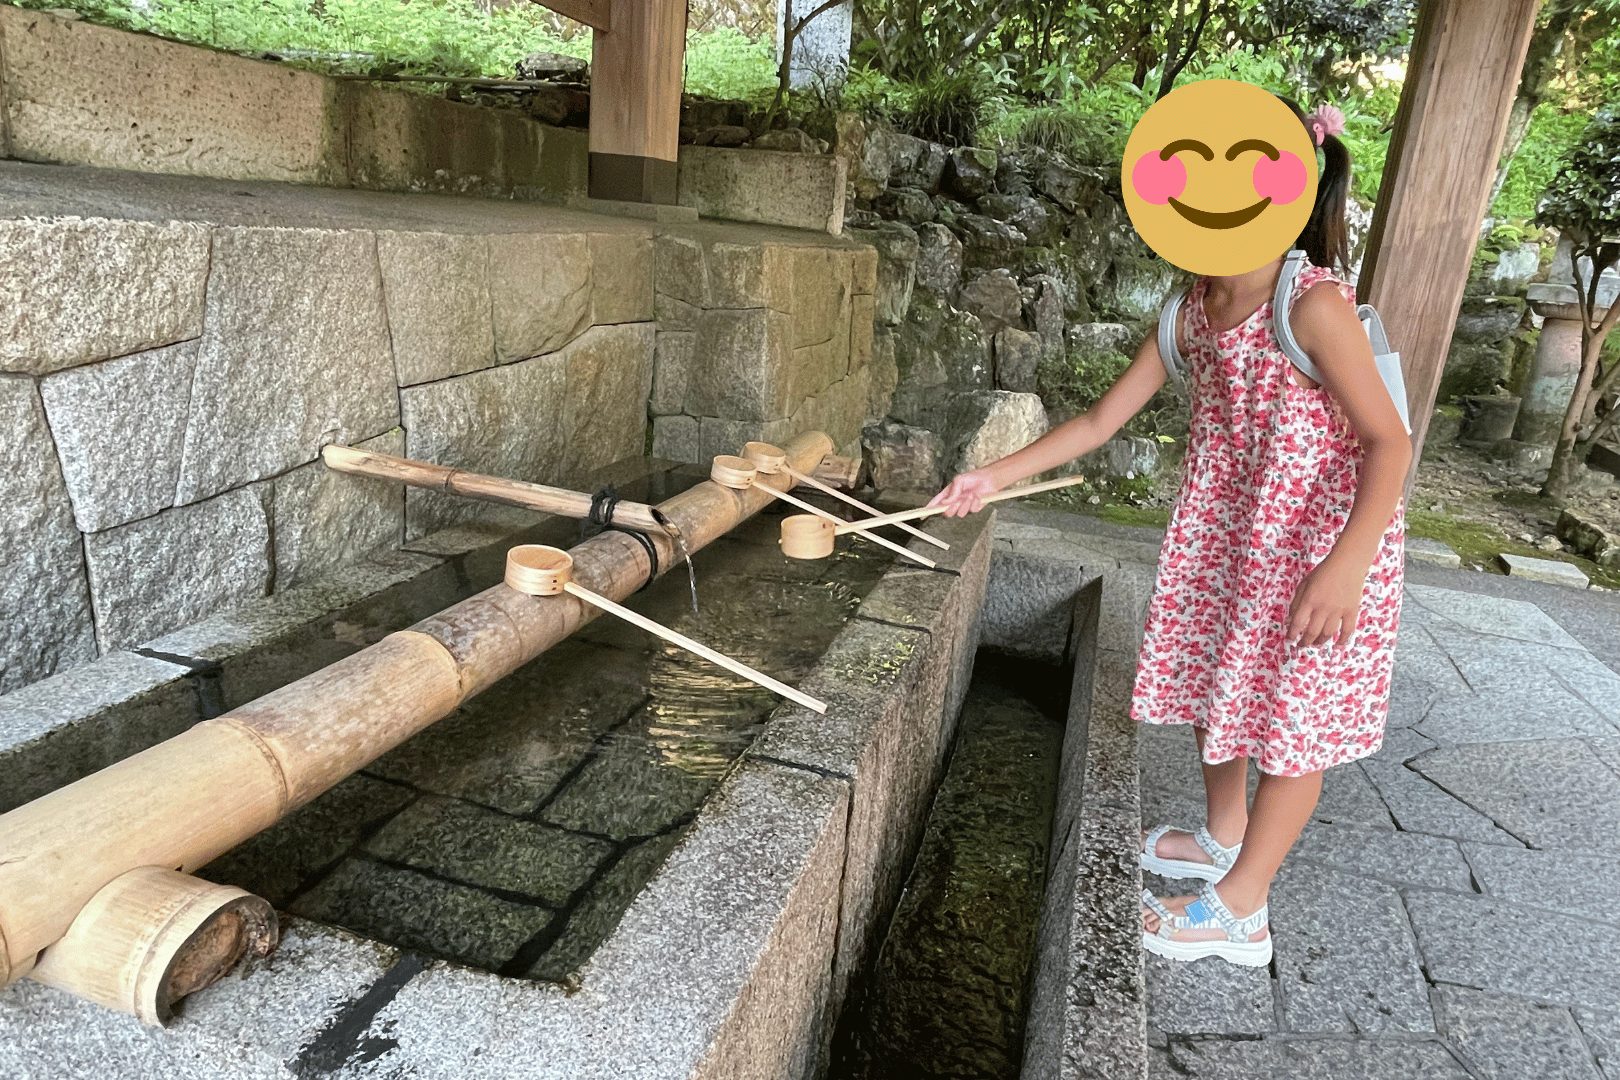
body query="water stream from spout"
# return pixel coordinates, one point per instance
(686, 555)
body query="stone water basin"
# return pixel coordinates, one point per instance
(512, 835)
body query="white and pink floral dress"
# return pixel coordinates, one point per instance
(1267, 486)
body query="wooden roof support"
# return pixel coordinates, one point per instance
(1464, 69)
(596, 14)
(636, 74)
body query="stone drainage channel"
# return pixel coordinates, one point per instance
(619, 862)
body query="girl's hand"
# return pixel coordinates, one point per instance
(1326, 604)
(965, 495)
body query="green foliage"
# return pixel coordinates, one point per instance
(723, 63)
(1583, 198)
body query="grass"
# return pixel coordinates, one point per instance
(1479, 545)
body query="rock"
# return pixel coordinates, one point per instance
(294, 353)
(157, 574)
(1488, 320)
(1445, 426)
(911, 205)
(729, 135)
(940, 345)
(970, 172)
(915, 162)
(119, 428)
(995, 298)
(622, 274)
(1420, 549)
(43, 590)
(701, 113)
(540, 292)
(986, 241)
(939, 260)
(1026, 213)
(673, 352)
(1589, 538)
(1044, 311)
(1514, 269)
(1122, 457)
(1070, 186)
(78, 291)
(990, 424)
(872, 155)
(1550, 571)
(743, 361)
(560, 106)
(1479, 368)
(793, 140)
(1488, 418)
(903, 458)
(324, 519)
(1012, 178)
(504, 420)
(1520, 456)
(552, 67)
(1018, 355)
(608, 379)
(1102, 337)
(885, 373)
(1139, 286)
(1550, 544)
(437, 291)
(897, 250)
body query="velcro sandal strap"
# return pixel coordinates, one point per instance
(1209, 910)
(1222, 857)
(1150, 846)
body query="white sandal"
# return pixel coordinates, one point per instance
(1208, 913)
(1221, 858)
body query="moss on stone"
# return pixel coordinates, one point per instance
(1479, 545)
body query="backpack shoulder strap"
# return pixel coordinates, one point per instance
(1169, 349)
(1282, 302)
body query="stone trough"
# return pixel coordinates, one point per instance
(590, 870)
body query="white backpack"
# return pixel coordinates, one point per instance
(1387, 359)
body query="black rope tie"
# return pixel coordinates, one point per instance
(600, 519)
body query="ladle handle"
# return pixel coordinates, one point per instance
(858, 527)
(857, 504)
(930, 511)
(676, 638)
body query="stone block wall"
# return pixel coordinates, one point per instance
(760, 335)
(75, 93)
(166, 387)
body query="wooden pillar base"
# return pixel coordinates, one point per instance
(630, 178)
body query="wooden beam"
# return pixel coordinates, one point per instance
(636, 75)
(596, 14)
(1463, 72)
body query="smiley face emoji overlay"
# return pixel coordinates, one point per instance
(1219, 177)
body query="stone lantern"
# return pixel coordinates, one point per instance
(1557, 364)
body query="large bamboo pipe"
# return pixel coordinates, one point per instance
(184, 802)
(426, 475)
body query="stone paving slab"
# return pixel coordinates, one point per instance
(1550, 571)
(1513, 949)
(1401, 858)
(1447, 610)
(1298, 1059)
(1571, 882)
(1506, 1038)
(1540, 711)
(1419, 806)
(1209, 997)
(1602, 1031)
(1554, 793)
(1345, 958)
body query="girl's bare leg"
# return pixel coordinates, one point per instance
(1226, 794)
(1282, 806)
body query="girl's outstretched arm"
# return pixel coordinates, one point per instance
(1069, 440)
(1329, 599)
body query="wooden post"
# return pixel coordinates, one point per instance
(1464, 69)
(636, 75)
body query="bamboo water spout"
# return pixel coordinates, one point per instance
(740, 473)
(811, 537)
(183, 802)
(773, 459)
(430, 477)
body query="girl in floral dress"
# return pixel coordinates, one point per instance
(1272, 625)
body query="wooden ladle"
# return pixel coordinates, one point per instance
(807, 537)
(542, 570)
(739, 473)
(770, 460)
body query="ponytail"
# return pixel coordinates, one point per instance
(1326, 239)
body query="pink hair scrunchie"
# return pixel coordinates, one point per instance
(1323, 121)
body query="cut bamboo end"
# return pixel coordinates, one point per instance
(153, 936)
(806, 536)
(539, 569)
(765, 457)
(731, 471)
